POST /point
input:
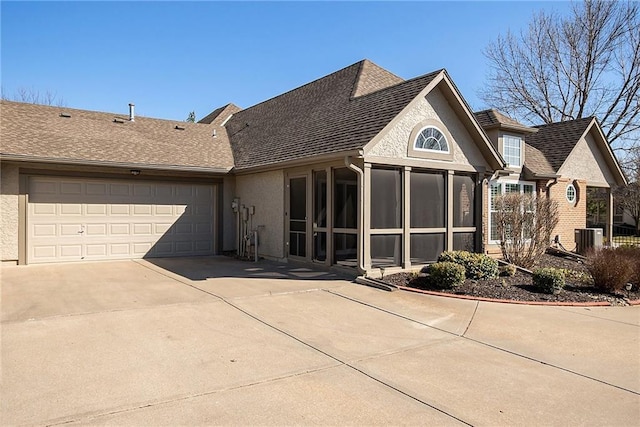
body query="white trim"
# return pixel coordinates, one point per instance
(575, 193)
(503, 182)
(520, 149)
(431, 150)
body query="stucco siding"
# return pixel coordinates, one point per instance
(265, 191)
(394, 144)
(587, 163)
(229, 226)
(9, 189)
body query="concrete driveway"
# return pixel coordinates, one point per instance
(216, 341)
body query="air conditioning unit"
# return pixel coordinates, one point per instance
(588, 238)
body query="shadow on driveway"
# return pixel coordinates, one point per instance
(203, 268)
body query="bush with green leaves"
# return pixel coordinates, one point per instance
(611, 269)
(446, 275)
(507, 270)
(549, 280)
(476, 266)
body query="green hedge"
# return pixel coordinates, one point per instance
(446, 275)
(548, 280)
(476, 266)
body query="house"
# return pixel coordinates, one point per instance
(570, 162)
(358, 169)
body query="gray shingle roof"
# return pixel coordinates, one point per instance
(40, 132)
(321, 117)
(556, 140)
(536, 163)
(493, 118)
(219, 115)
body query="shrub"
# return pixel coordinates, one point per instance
(446, 274)
(632, 254)
(548, 280)
(476, 266)
(524, 224)
(610, 269)
(508, 270)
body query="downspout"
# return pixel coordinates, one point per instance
(349, 164)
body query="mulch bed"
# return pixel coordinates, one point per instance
(520, 287)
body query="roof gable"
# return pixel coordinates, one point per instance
(219, 115)
(558, 144)
(556, 140)
(372, 78)
(445, 102)
(321, 117)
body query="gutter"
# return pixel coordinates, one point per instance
(303, 161)
(51, 160)
(349, 164)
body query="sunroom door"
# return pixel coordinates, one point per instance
(298, 217)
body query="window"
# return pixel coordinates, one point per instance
(498, 189)
(430, 138)
(427, 200)
(463, 201)
(386, 198)
(571, 194)
(511, 150)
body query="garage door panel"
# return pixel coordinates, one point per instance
(119, 189)
(70, 209)
(44, 209)
(163, 210)
(44, 252)
(70, 187)
(44, 186)
(142, 209)
(96, 189)
(120, 249)
(95, 209)
(163, 229)
(75, 219)
(45, 230)
(142, 190)
(96, 250)
(183, 228)
(72, 230)
(96, 230)
(119, 209)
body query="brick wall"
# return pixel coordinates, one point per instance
(571, 216)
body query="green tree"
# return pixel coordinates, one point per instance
(192, 117)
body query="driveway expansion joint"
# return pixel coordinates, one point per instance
(491, 345)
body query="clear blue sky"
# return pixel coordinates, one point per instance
(170, 58)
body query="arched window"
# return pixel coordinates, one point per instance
(430, 138)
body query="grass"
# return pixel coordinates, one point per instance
(626, 240)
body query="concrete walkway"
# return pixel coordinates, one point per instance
(214, 341)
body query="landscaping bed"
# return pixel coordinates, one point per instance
(519, 287)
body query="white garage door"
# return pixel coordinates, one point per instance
(72, 219)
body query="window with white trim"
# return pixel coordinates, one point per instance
(431, 139)
(571, 194)
(512, 150)
(498, 188)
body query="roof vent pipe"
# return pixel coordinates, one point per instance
(132, 116)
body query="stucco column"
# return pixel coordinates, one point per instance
(365, 210)
(406, 222)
